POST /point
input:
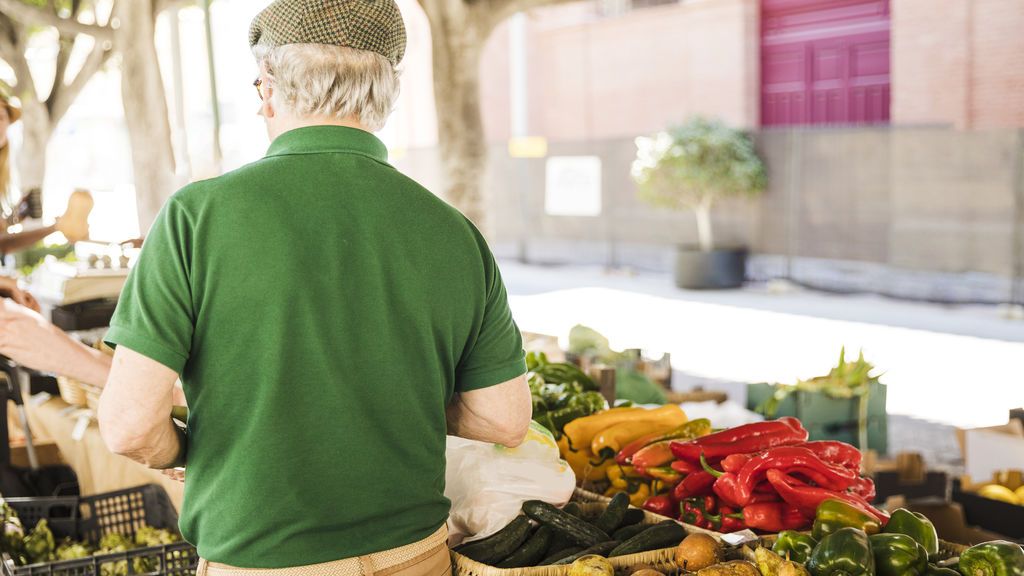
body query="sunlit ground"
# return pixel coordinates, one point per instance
(956, 365)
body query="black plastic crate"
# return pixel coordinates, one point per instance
(993, 515)
(89, 518)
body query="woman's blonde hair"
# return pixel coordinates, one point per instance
(332, 81)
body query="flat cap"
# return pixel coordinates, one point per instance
(371, 25)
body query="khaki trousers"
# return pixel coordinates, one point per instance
(428, 557)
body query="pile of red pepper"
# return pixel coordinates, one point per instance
(764, 476)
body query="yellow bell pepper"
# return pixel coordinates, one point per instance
(616, 475)
(643, 492)
(581, 431)
(582, 463)
(609, 441)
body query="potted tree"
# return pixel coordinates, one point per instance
(688, 168)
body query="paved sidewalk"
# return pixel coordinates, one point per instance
(955, 365)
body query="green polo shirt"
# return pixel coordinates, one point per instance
(321, 309)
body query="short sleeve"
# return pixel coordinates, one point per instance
(154, 314)
(496, 355)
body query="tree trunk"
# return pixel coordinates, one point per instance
(36, 132)
(704, 235)
(145, 110)
(458, 36)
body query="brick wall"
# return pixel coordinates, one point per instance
(597, 78)
(961, 65)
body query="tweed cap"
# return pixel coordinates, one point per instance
(371, 25)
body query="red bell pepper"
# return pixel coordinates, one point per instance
(684, 467)
(791, 459)
(865, 488)
(729, 521)
(735, 462)
(741, 440)
(663, 505)
(838, 453)
(695, 484)
(807, 498)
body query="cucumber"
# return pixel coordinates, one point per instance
(632, 516)
(532, 551)
(659, 536)
(627, 532)
(601, 549)
(613, 514)
(500, 545)
(575, 529)
(560, 542)
(564, 552)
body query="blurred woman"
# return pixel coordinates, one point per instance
(74, 224)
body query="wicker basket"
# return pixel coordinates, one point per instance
(592, 505)
(72, 391)
(92, 396)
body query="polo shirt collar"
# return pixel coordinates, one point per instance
(328, 139)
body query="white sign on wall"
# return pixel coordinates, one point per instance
(573, 186)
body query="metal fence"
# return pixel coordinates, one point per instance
(922, 213)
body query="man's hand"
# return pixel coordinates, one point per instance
(176, 474)
(28, 339)
(9, 289)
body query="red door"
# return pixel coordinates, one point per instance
(824, 62)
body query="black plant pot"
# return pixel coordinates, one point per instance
(716, 269)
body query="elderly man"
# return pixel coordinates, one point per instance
(322, 357)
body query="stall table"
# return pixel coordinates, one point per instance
(98, 469)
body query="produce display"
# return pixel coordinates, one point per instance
(561, 393)
(545, 535)
(764, 476)
(597, 446)
(39, 545)
(1006, 486)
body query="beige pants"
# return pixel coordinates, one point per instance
(428, 557)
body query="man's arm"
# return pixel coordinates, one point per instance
(135, 408)
(500, 414)
(32, 341)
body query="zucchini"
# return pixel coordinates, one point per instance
(501, 544)
(664, 535)
(627, 532)
(601, 549)
(563, 553)
(632, 516)
(532, 551)
(613, 514)
(573, 528)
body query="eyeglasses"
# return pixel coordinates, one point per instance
(258, 83)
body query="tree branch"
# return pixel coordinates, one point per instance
(61, 68)
(494, 12)
(32, 15)
(93, 64)
(11, 51)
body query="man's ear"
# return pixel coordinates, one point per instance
(267, 109)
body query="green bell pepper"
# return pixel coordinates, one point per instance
(898, 555)
(845, 552)
(996, 558)
(794, 546)
(934, 570)
(916, 526)
(835, 514)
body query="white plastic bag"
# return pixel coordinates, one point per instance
(488, 483)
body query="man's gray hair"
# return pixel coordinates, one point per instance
(331, 82)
